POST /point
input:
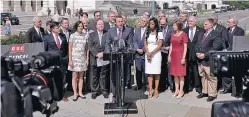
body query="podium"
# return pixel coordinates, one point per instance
(119, 106)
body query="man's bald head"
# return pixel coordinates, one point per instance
(192, 21)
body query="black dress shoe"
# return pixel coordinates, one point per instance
(82, 96)
(202, 95)
(94, 96)
(75, 98)
(210, 98)
(224, 92)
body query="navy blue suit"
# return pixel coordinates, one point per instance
(140, 63)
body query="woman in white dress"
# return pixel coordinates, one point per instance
(152, 45)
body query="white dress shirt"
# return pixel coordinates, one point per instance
(189, 32)
(142, 32)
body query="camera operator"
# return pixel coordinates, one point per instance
(208, 41)
(227, 36)
(56, 42)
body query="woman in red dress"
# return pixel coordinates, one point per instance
(177, 57)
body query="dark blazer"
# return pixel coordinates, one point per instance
(33, 35)
(213, 42)
(112, 35)
(139, 44)
(219, 28)
(95, 47)
(50, 45)
(166, 40)
(69, 31)
(92, 25)
(106, 26)
(228, 38)
(46, 32)
(191, 53)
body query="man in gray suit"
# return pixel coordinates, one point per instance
(113, 36)
(98, 73)
(139, 37)
(166, 79)
(92, 23)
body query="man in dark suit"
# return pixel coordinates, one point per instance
(48, 30)
(36, 33)
(115, 34)
(92, 23)
(166, 80)
(193, 79)
(64, 29)
(111, 20)
(98, 72)
(227, 36)
(128, 82)
(57, 42)
(184, 18)
(217, 27)
(207, 42)
(139, 37)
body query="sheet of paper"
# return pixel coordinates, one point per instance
(101, 62)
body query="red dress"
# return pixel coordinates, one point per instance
(176, 68)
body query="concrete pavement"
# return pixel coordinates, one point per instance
(163, 106)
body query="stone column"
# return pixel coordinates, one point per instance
(17, 5)
(45, 7)
(38, 5)
(51, 6)
(28, 7)
(1, 4)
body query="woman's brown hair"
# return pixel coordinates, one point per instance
(178, 24)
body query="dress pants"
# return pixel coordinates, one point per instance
(140, 75)
(163, 83)
(193, 79)
(227, 83)
(99, 78)
(237, 86)
(209, 83)
(116, 73)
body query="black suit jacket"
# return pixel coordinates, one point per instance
(191, 53)
(33, 36)
(228, 38)
(213, 42)
(50, 45)
(219, 28)
(69, 31)
(95, 47)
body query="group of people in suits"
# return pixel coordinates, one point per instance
(176, 55)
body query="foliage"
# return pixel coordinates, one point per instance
(14, 39)
(237, 3)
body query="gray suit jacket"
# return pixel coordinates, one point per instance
(95, 47)
(139, 44)
(166, 37)
(112, 37)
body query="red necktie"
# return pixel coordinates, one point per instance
(58, 42)
(204, 37)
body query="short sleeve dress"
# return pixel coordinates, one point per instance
(79, 51)
(176, 68)
(154, 66)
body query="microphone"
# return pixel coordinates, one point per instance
(121, 44)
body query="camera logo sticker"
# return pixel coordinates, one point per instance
(17, 48)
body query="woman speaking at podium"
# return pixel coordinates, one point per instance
(153, 44)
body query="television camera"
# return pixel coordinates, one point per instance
(231, 64)
(33, 85)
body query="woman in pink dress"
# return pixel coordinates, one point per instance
(177, 57)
